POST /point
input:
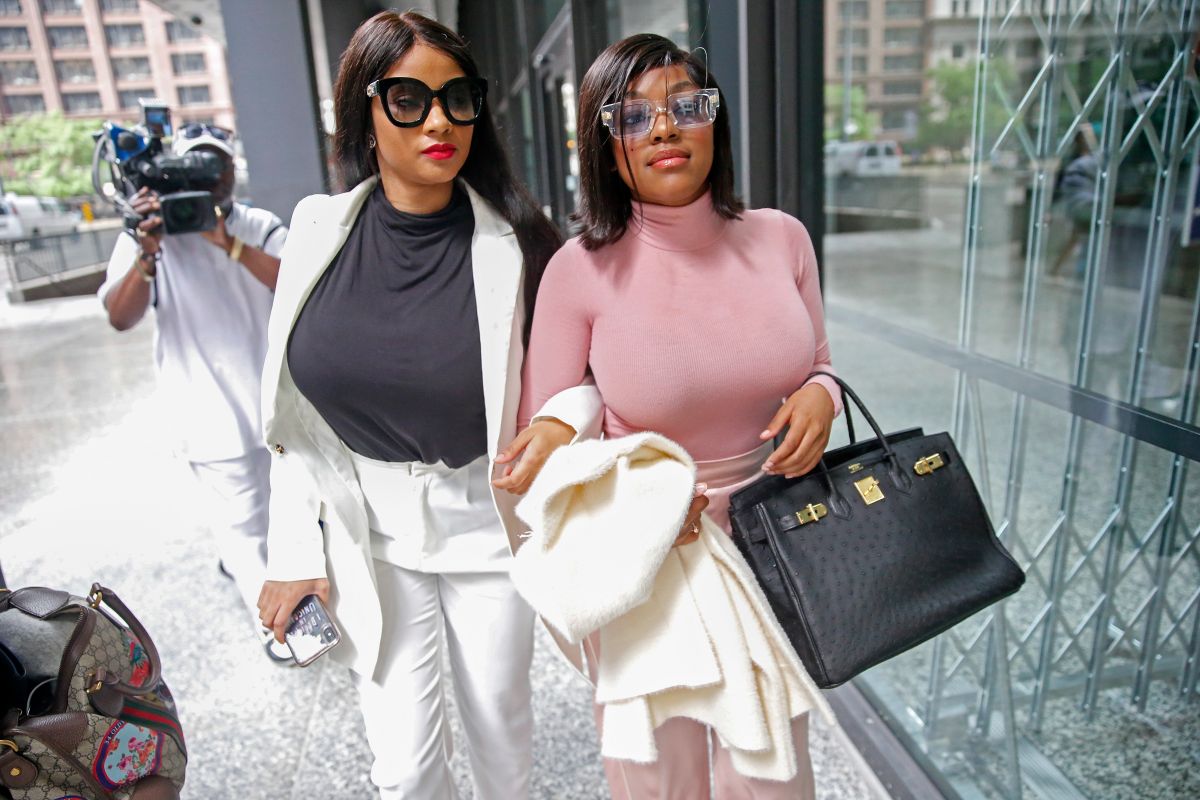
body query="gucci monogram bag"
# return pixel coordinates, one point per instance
(102, 725)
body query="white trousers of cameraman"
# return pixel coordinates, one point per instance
(441, 561)
(235, 494)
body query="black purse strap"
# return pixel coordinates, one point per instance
(845, 406)
(898, 475)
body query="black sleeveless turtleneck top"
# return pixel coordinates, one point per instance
(387, 346)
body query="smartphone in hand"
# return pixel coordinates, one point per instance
(311, 632)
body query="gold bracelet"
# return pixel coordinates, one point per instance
(235, 252)
(148, 277)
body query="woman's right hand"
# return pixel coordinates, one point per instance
(690, 531)
(278, 599)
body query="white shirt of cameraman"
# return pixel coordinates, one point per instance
(211, 334)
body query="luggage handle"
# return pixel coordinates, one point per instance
(101, 595)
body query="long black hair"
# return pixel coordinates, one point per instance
(605, 202)
(379, 43)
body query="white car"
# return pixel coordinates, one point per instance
(24, 216)
(862, 158)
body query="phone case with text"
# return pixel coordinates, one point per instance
(311, 632)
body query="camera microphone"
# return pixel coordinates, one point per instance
(128, 141)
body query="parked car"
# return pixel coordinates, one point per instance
(24, 216)
(880, 157)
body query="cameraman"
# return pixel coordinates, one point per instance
(211, 294)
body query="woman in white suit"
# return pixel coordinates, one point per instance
(391, 383)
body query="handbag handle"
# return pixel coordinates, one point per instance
(103, 595)
(898, 475)
(845, 406)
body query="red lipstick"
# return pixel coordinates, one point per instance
(440, 151)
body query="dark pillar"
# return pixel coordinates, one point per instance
(782, 109)
(718, 35)
(589, 32)
(758, 105)
(276, 101)
(800, 157)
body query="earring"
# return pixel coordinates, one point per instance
(371, 141)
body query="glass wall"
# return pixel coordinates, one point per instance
(1018, 266)
(665, 17)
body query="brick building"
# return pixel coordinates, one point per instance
(97, 58)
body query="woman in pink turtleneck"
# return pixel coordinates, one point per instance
(696, 318)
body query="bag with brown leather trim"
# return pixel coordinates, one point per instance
(84, 712)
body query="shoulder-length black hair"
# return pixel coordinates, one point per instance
(605, 202)
(379, 43)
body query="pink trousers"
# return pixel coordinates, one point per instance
(682, 770)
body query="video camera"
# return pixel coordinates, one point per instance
(135, 159)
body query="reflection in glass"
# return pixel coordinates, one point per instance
(1039, 221)
(665, 17)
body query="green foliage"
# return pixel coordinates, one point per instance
(48, 155)
(947, 116)
(866, 122)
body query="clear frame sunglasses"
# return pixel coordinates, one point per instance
(632, 118)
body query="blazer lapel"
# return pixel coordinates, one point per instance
(496, 265)
(318, 235)
(329, 235)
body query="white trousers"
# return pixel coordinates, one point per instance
(475, 620)
(235, 495)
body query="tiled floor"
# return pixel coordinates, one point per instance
(90, 494)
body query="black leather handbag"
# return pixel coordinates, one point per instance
(882, 546)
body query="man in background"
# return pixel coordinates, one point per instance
(211, 293)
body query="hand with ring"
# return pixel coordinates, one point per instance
(690, 531)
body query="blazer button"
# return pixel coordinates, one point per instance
(279, 449)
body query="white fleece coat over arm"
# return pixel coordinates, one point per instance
(683, 631)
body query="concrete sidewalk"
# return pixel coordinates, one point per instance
(92, 495)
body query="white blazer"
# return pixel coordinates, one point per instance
(318, 519)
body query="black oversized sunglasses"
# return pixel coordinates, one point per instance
(407, 101)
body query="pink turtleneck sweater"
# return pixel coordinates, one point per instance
(694, 326)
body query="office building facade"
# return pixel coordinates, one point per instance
(97, 58)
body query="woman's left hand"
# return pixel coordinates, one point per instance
(534, 445)
(808, 414)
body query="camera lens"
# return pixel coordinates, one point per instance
(188, 212)
(183, 215)
(327, 634)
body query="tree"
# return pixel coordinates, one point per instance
(48, 155)
(866, 123)
(948, 115)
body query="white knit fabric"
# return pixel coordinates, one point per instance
(684, 632)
